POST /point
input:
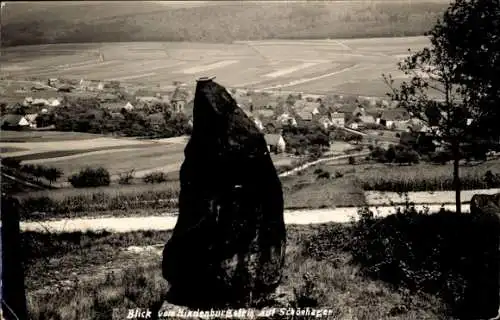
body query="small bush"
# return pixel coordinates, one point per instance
(407, 156)
(378, 154)
(324, 175)
(52, 174)
(491, 179)
(352, 160)
(28, 169)
(11, 162)
(126, 177)
(90, 177)
(155, 177)
(441, 157)
(318, 171)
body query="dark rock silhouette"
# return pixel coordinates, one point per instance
(14, 304)
(485, 204)
(228, 246)
(482, 295)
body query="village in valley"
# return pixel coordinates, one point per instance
(114, 107)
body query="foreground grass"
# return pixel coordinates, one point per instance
(51, 258)
(153, 22)
(308, 280)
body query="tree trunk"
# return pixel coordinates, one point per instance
(12, 285)
(456, 178)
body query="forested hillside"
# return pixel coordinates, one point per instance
(62, 22)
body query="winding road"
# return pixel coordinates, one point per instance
(312, 163)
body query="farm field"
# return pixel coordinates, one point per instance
(349, 66)
(307, 192)
(44, 136)
(152, 157)
(422, 177)
(71, 152)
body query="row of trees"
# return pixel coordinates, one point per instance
(37, 171)
(51, 174)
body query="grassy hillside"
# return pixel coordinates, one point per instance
(46, 22)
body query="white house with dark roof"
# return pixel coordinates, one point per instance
(128, 106)
(286, 119)
(54, 102)
(31, 118)
(311, 107)
(394, 118)
(275, 143)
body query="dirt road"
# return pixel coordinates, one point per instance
(167, 222)
(312, 163)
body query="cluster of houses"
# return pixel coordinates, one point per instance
(276, 113)
(34, 107)
(338, 115)
(111, 101)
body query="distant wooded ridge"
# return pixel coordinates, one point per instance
(61, 22)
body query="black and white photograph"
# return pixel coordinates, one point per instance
(329, 159)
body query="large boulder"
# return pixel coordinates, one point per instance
(228, 246)
(485, 204)
(482, 297)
